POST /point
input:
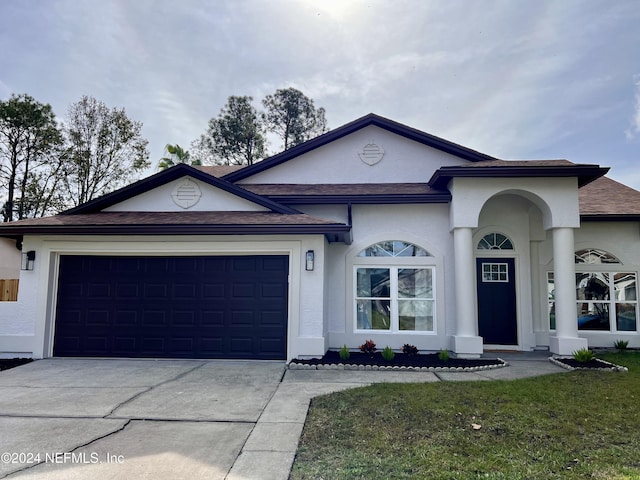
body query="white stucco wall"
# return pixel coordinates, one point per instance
(160, 200)
(556, 198)
(338, 162)
(423, 225)
(27, 325)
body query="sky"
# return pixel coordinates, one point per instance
(516, 79)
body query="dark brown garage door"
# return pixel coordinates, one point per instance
(172, 307)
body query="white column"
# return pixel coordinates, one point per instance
(466, 341)
(566, 340)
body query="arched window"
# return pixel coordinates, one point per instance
(394, 248)
(593, 256)
(394, 288)
(495, 241)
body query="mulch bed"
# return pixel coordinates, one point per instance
(7, 363)
(571, 363)
(400, 360)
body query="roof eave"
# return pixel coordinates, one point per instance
(188, 229)
(584, 173)
(351, 127)
(360, 199)
(605, 217)
(169, 175)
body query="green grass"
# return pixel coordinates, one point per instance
(575, 425)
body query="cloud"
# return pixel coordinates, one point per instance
(634, 127)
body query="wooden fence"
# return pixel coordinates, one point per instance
(9, 290)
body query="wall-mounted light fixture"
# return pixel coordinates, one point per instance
(28, 259)
(309, 260)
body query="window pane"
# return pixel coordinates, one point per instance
(373, 314)
(394, 248)
(373, 282)
(414, 283)
(495, 241)
(624, 285)
(592, 286)
(415, 315)
(593, 316)
(595, 256)
(551, 297)
(626, 317)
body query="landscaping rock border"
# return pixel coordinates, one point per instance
(293, 365)
(610, 367)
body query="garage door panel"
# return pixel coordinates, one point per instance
(124, 318)
(154, 318)
(127, 290)
(189, 307)
(98, 318)
(212, 318)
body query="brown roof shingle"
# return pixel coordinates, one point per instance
(282, 189)
(606, 197)
(218, 170)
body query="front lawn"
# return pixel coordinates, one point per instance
(576, 425)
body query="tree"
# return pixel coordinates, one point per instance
(175, 155)
(293, 117)
(29, 136)
(104, 148)
(236, 137)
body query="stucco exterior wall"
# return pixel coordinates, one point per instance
(423, 225)
(27, 325)
(160, 200)
(338, 162)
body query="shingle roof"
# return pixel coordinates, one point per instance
(585, 173)
(218, 170)
(178, 223)
(607, 199)
(276, 189)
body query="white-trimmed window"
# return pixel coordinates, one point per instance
(495, 241)
(495, 272)
(393, 292)
(606, 294)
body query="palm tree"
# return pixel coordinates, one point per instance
(175, 155)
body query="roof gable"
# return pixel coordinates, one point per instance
(353, 127)
(231, 196)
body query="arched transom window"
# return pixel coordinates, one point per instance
(495, 241)
(394, 285)
(394, 248)
(593, 256)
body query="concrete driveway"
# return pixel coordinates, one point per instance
(113, 419)
(176, 419)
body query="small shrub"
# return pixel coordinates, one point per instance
(443, 355)
(344, 352)
(621, 344)
(388, 354)
(410, 350)
(583, 355)
(368, 347)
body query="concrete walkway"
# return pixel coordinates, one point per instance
(111, 419)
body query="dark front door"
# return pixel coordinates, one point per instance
(173, 307)
(497, 319)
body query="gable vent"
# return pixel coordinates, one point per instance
(371, 154)
(186, 194)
